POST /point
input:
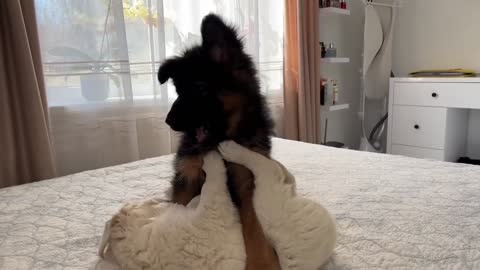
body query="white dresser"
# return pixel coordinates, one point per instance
(428, 117)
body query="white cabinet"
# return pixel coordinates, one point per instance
(428, 118)
(419, 126)
(447, 94)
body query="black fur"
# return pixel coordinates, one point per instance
(202, 75)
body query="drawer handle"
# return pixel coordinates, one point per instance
(434, 95)
(416, 126)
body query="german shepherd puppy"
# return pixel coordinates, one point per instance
(219, 99)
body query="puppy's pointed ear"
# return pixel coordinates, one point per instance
(167, 70)
(220, 39)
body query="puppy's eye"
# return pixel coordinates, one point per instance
(200, 85)
(201, 88)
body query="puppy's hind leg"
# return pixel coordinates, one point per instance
(260, 253)
(244, 173)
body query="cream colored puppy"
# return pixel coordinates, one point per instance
(160, 235)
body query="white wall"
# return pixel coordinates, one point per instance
(440, 34)
(347, 33)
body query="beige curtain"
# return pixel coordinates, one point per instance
(301, 71)
(25, 144)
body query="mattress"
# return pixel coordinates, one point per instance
(392, 212)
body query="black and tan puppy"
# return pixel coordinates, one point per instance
(218, 99)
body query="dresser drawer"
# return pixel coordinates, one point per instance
(450, 95)
(419, 126)
(418, 152)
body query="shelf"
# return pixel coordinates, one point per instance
(335, 60)
(334, 10)
(333, 108)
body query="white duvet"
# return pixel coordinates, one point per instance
(392, 212)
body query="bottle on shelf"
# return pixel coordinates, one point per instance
(323, 49)
(323, 90)
(328, 93)
(335, 93)
(331, 51)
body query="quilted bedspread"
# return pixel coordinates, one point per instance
(392, 212)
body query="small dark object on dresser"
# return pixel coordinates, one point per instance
(323, 49)
(467, 160)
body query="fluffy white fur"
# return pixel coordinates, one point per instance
(154, 234)
(207, 233)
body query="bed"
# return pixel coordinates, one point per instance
(392, 212)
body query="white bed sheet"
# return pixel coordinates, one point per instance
(392, 212)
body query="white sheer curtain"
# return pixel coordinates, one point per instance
(101, 58)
